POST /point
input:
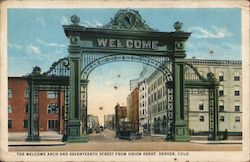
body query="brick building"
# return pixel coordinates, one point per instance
(51, 105)
(120, 114)
(133, 111)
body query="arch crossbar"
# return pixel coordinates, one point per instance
(163, 65)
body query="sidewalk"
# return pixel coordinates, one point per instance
(217, 142)
(50, 138)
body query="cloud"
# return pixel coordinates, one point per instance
(13, 45)
(41, 21)
(49, 44)
(31, 49)
(93, 23)
(211, 50)
(213, 32)
(87, 23)
(65, 20)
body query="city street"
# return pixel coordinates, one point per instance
(106, 141)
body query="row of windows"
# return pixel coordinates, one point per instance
(222, 119)
(157, 107)
(236, 90)
(156, 95)
(221, 105)
(50, 94)
(236, 76)
(51, 123)
(25, 123)
(52, 108)
(157, 83)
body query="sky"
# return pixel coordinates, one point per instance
(36, 38)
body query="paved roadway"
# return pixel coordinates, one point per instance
(106, 141)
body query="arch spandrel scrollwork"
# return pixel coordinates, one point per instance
(161, 64)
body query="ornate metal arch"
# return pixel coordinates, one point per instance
(59, 68)
(192, 74)
(165, 67)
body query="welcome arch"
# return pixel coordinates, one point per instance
(126, 38)
(126, 34)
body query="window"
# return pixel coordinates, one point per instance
(201, 105)
(201, 118)
(26, 108)
(9, 123)
(10, 93)
(10, 109)
(237, 106)
(236, 76)
(159, 107)
(237, 119)
(221, 106)
(25, 123)
(51, 94)
(221, 91)
(221, 76)
(53, 108)
(27, 93)
(52, 124)
(236, 91)
(159, 81)
(222, 118)
(160, 94)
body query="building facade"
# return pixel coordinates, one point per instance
(228, 73)
(50, 103)
(93, 122)
(120, 115)
(143, 111)
(157, 117)
(109, 121)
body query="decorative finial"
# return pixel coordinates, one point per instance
(177, 26)
(75, 19)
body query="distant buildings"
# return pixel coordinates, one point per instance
(109, 121)
(120, 114)
(133, 108)
(93, 122)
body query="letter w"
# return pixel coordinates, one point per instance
(102, 42)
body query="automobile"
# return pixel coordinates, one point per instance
(97, 131)
(129, 135)
(89, 130)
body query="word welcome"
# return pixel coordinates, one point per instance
(120, 43)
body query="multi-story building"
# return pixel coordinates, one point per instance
(109, 121)
(120, 114)
(157, 117)
(143, 111)
(50, 104)
(93, 122)
(228, 73)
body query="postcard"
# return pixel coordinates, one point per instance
(124, 81)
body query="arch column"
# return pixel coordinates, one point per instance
(176, 51)
(74, 129)
(33, 121)
(84, 105)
